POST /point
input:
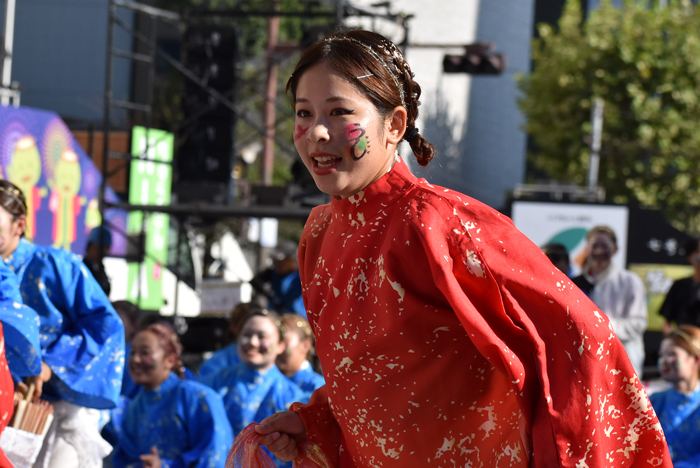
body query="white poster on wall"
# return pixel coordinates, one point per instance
(568, 224)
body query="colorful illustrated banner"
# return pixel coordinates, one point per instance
(60, 182)
(150, 184)
(568, 224)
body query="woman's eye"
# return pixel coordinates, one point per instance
(303, 113)
(341, 111)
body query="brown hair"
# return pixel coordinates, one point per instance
(170, 343)
(12, 199)
(387, 79)
(687, 337)
(295, 323)
(602, 230)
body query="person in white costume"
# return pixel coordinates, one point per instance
(619, 293)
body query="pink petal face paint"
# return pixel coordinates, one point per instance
(149, 362)
(359, 144)
(300, 131)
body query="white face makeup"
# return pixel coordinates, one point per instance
(148, 364)
(259, 343)
(676, 364)
(340, 136)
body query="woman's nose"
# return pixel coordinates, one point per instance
(254, 341)
(318, 132)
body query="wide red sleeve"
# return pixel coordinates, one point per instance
(321, 427)
(577, 388)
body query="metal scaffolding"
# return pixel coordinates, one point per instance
(155, 16)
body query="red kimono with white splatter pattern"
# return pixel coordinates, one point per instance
(448, 339)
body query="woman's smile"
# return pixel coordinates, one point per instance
(324, 163)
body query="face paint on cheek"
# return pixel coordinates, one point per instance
(359, 143)
(149, 362)
(300, 131)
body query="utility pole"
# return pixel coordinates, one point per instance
(268, 154)
(596, 134)
(9, 40)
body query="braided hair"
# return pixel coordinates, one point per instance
(387, 79)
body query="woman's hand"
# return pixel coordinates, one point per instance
(39, 380)
(282, 431)
(151, 460)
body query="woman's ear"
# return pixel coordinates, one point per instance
(21, 223)
(396, 125)
(170, 361)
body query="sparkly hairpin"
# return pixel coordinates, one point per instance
(14, 193)
(376, 56)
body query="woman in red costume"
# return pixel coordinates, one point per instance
(446, 337)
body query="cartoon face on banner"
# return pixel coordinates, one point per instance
(24, 170)
(60, 182)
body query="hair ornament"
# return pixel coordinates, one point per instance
(376, 56)
(15, 194)
(364, 76)
(411, 132)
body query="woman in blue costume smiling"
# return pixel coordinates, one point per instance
(678, 408)
(81, 339)
(172, 422)
(255, 388)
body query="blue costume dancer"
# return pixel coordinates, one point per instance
(255, 388)
(80, 335)
(184, 419)
(21, 328)
(678, 408)
(179, 423)
(294, 361)
(679, 415)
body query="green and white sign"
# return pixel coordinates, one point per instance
(150, 184)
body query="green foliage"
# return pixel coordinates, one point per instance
(644, 62)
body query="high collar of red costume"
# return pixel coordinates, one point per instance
(364, 205)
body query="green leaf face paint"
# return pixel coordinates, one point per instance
(359, 144)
